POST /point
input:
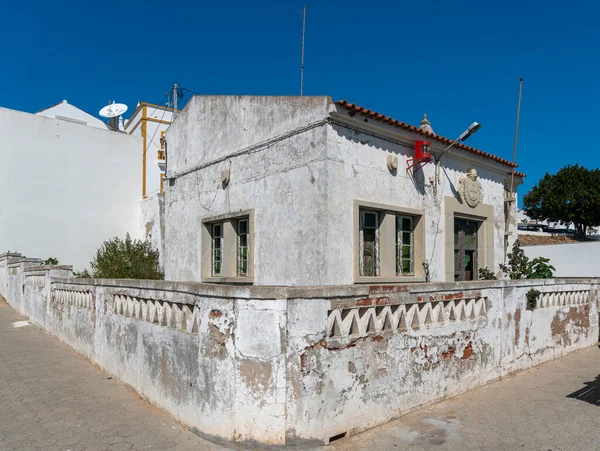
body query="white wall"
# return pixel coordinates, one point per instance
(357, 169)
(294, 366)
(302, 186)
(570, 260)
(153, 131)
(275, 181)
(67, 187)
(66, 110)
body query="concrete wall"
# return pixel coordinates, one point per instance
(300, 163)
(296, 366)
(357, 170)
(66, 110)
(284, 182)
(152, 223)
(570, 260)
(68, 187)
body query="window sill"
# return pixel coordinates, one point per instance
(230, 280)
(388, 279)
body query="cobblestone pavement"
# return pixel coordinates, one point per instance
(555, 406)
(53, 399)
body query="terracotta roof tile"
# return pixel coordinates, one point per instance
(412, 128)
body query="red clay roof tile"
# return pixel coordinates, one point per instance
(412, 128)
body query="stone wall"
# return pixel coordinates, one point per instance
(297, 366)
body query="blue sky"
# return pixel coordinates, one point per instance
(457, 61)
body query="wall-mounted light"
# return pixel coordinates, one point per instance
(225, 177)
(392, 162)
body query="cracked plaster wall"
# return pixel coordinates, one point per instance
(302, 187)
(266, 366)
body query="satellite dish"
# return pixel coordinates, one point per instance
(113, 110)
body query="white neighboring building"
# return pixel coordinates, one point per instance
(69, 186)
(150, 122)
(67, 112)
(306, 191)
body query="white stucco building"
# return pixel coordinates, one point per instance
(306, 191)
(71, 183)
(70, 113)
(149, 122)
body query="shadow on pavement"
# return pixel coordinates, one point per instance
(590, 393)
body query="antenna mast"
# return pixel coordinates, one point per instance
(511, 199)
(174, 101)
(302, 67)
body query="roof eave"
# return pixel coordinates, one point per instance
(395, 123)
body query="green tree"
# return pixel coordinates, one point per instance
(570, 195)
(126, 259)
(520, 267)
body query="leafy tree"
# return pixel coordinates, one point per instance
(51, 261)
(126, 259)
(570, 195)
(486, 274)
(520, 267)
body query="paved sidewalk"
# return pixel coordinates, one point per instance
(53, 399)
(555, 406)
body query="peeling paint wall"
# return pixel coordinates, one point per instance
(299, 365)
(300, 165)
(152, 223)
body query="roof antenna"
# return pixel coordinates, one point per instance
(510, 198)
(302, 67)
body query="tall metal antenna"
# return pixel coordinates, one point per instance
(175, 93)
(511, 199)
(302, 67)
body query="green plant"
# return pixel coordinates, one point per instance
(486, 274)
(82, 274)
(532, 298)
(520, 267)
(51, 261)
(540, 269)
(126, 259)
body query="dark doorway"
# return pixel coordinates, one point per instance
(465, 249)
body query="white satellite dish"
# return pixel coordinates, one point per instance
(113, 110)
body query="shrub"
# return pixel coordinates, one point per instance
(540, 269)
(532, 298)
(126, 259)
(82, 274)
(51, 261)
(486, 274)
(519, 266)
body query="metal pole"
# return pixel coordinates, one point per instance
(302, 67)
(512, 176)
(437, 166)
(174, 101)
(511, 199)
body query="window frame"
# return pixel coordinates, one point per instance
(387, 243)
(230, 248)
(239, 258)
(213, 260)
(363, 213)
(400, 244)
